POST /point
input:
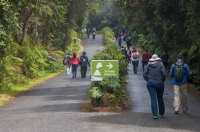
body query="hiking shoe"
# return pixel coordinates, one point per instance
(175, 112)
(155, 117)
(73, 76)
(161, 116)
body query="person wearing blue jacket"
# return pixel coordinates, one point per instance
(180, 86)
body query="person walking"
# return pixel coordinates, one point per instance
(128, 42)
(84, 62)
(135, 60)
(68, 66)
(145, 58)
(94, 33)
(74, 62)
(165, 58)
(179, 73)
(155, 75)
(88, 32)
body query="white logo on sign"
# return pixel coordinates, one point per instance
(97, 73)
(99, 65)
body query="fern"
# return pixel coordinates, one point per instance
(95, 92)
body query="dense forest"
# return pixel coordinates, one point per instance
(159, 25)
(36, 34)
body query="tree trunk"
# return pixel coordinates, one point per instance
(25, 26)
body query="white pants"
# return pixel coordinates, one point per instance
(183, 90)
(68, 69)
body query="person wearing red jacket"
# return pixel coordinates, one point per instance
(145, 58)
(74, 61)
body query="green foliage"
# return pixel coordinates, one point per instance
(165, 25)
(197, 88)
(109, 14)
(112, 87)
(110, 83)
(95, 92)
(112, 52)
(50, 28)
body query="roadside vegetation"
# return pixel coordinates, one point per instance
(157, 26)
(111, 92)
(34, 38)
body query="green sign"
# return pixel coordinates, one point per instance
(103, 68)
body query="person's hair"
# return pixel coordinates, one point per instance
(180, 56)
(74, 55)
(84, 53)
(165, 51)
(146, 50)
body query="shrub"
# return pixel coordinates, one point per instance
(111, 90)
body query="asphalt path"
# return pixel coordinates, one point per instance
(56, 105)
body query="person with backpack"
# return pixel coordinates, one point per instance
(135, 60)
(84, 62)
(74, 61)
(145, 58)
(68, 66)
(179, 73)
(155, 75)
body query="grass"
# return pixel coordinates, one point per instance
(9, 94)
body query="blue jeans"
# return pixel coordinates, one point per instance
(156, 89)
(74, 69)
(135, 64)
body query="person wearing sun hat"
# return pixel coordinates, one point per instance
(155, 75)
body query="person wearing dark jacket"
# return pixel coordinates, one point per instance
(84, 61)
(155, 75)
(165, 58)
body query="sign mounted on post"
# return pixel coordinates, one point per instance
(103, 68)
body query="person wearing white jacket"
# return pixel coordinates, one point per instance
(135, 60)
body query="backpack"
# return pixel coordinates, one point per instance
(178, 73)
(83, 60)
(64, 61)
(135, 56)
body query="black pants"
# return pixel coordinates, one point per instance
(83, 71)
(93, 36)
(143, 64)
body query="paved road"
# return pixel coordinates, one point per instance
(57, 106)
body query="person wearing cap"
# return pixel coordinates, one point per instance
(180, 86)
(155, 75)
(135, 60)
